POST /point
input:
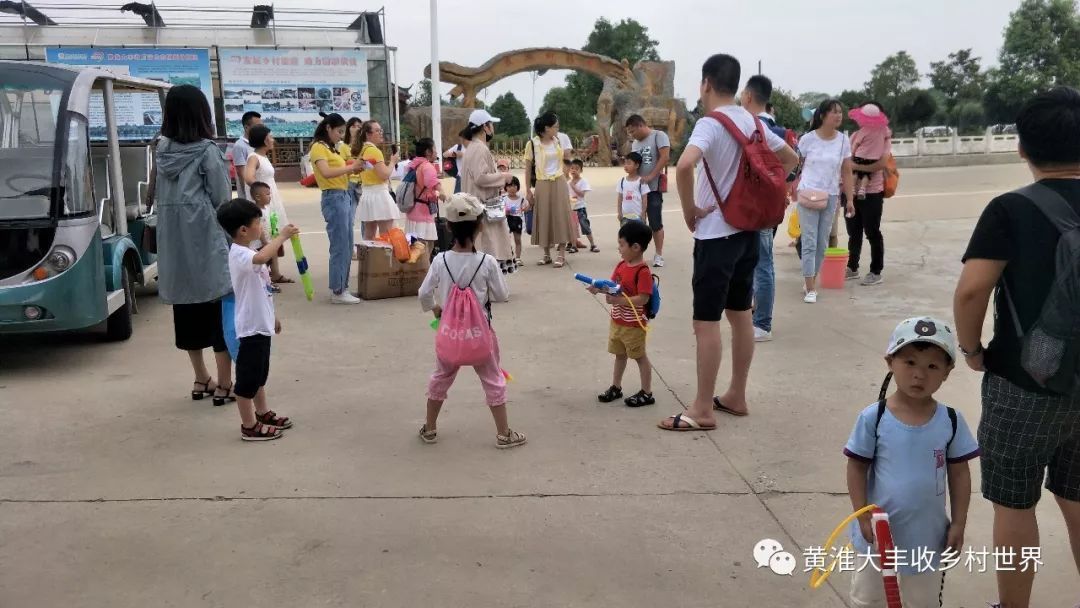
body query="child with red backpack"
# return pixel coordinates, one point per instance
(629, 318)
(459, 289)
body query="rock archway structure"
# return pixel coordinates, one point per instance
(647, 89)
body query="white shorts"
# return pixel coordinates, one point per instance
(923, 590)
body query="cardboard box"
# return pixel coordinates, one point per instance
(380, 276)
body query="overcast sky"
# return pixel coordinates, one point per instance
(819, 46)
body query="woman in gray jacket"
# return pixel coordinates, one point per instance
(193, 252)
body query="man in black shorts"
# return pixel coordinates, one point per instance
(724, 257)
(1026, 432)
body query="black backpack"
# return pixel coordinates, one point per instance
(1050, 350)
(881, 412)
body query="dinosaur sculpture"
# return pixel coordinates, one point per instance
(647, 89)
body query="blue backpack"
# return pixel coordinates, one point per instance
(652, 307)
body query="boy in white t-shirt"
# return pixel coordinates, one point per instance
(632, 190)
(578, 189)
(255, 319)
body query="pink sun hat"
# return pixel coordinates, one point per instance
(869, 115)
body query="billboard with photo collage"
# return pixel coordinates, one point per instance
(289, 87)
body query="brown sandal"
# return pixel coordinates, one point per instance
(272, 419)
(282, 279)
(260, 432)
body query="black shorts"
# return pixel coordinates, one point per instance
(724, 274)
(198, 326)
(515, 223)
(1024, 435)
(654, 204)
(252, 365)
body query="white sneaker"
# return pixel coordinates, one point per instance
(810, 297)
(344, 298)
(658, 261)
(760, 335)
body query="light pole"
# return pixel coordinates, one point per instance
(436, 98)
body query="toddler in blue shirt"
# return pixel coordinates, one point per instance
(903, 453)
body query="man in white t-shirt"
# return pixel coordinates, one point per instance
(242, 150)
(724, 257)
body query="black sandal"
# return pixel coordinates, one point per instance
(611, 394)
(228, 397)
(639, 399)
(199, 395)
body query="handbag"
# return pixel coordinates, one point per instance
(494, 210)
(815, 200)
(149, 234)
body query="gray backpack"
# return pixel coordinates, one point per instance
(1050, 350)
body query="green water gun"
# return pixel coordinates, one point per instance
(298, 253)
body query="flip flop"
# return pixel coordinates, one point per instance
(693, 424)
(720, 407)
(282, 279)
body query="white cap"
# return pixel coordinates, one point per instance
(463, 207)
(481, 117)
(923, 329)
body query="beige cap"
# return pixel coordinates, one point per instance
(463, 207)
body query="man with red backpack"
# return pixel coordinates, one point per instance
(742, 191)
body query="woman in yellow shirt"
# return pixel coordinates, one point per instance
(328, 154)
(377, 208)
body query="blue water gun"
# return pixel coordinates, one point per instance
(605, 285)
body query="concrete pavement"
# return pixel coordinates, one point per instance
(117, 490)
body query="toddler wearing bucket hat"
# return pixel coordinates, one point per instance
(868, 144)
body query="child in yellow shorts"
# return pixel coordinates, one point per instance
(626, 339)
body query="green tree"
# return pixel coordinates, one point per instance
(515, 121)
(626, 40)
(811, 99)
(787, 111)
(1041, 49)
(573, 120)
(422, 97)
(969, 117)
(959, 78)
(914, 107)
(891, 78)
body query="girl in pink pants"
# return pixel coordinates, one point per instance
(480, 272)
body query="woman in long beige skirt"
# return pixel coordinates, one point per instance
(546, 190)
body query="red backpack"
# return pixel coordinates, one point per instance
(759, 195)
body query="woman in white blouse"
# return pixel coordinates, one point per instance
(827, 164)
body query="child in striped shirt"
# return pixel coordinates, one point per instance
(626, 337)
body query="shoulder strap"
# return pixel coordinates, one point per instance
(952, 419)
(877, 422)
(731, 127)
(1053, 206)
(483, 258)
(448, 268)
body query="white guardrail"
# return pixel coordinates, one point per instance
(955, 144)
